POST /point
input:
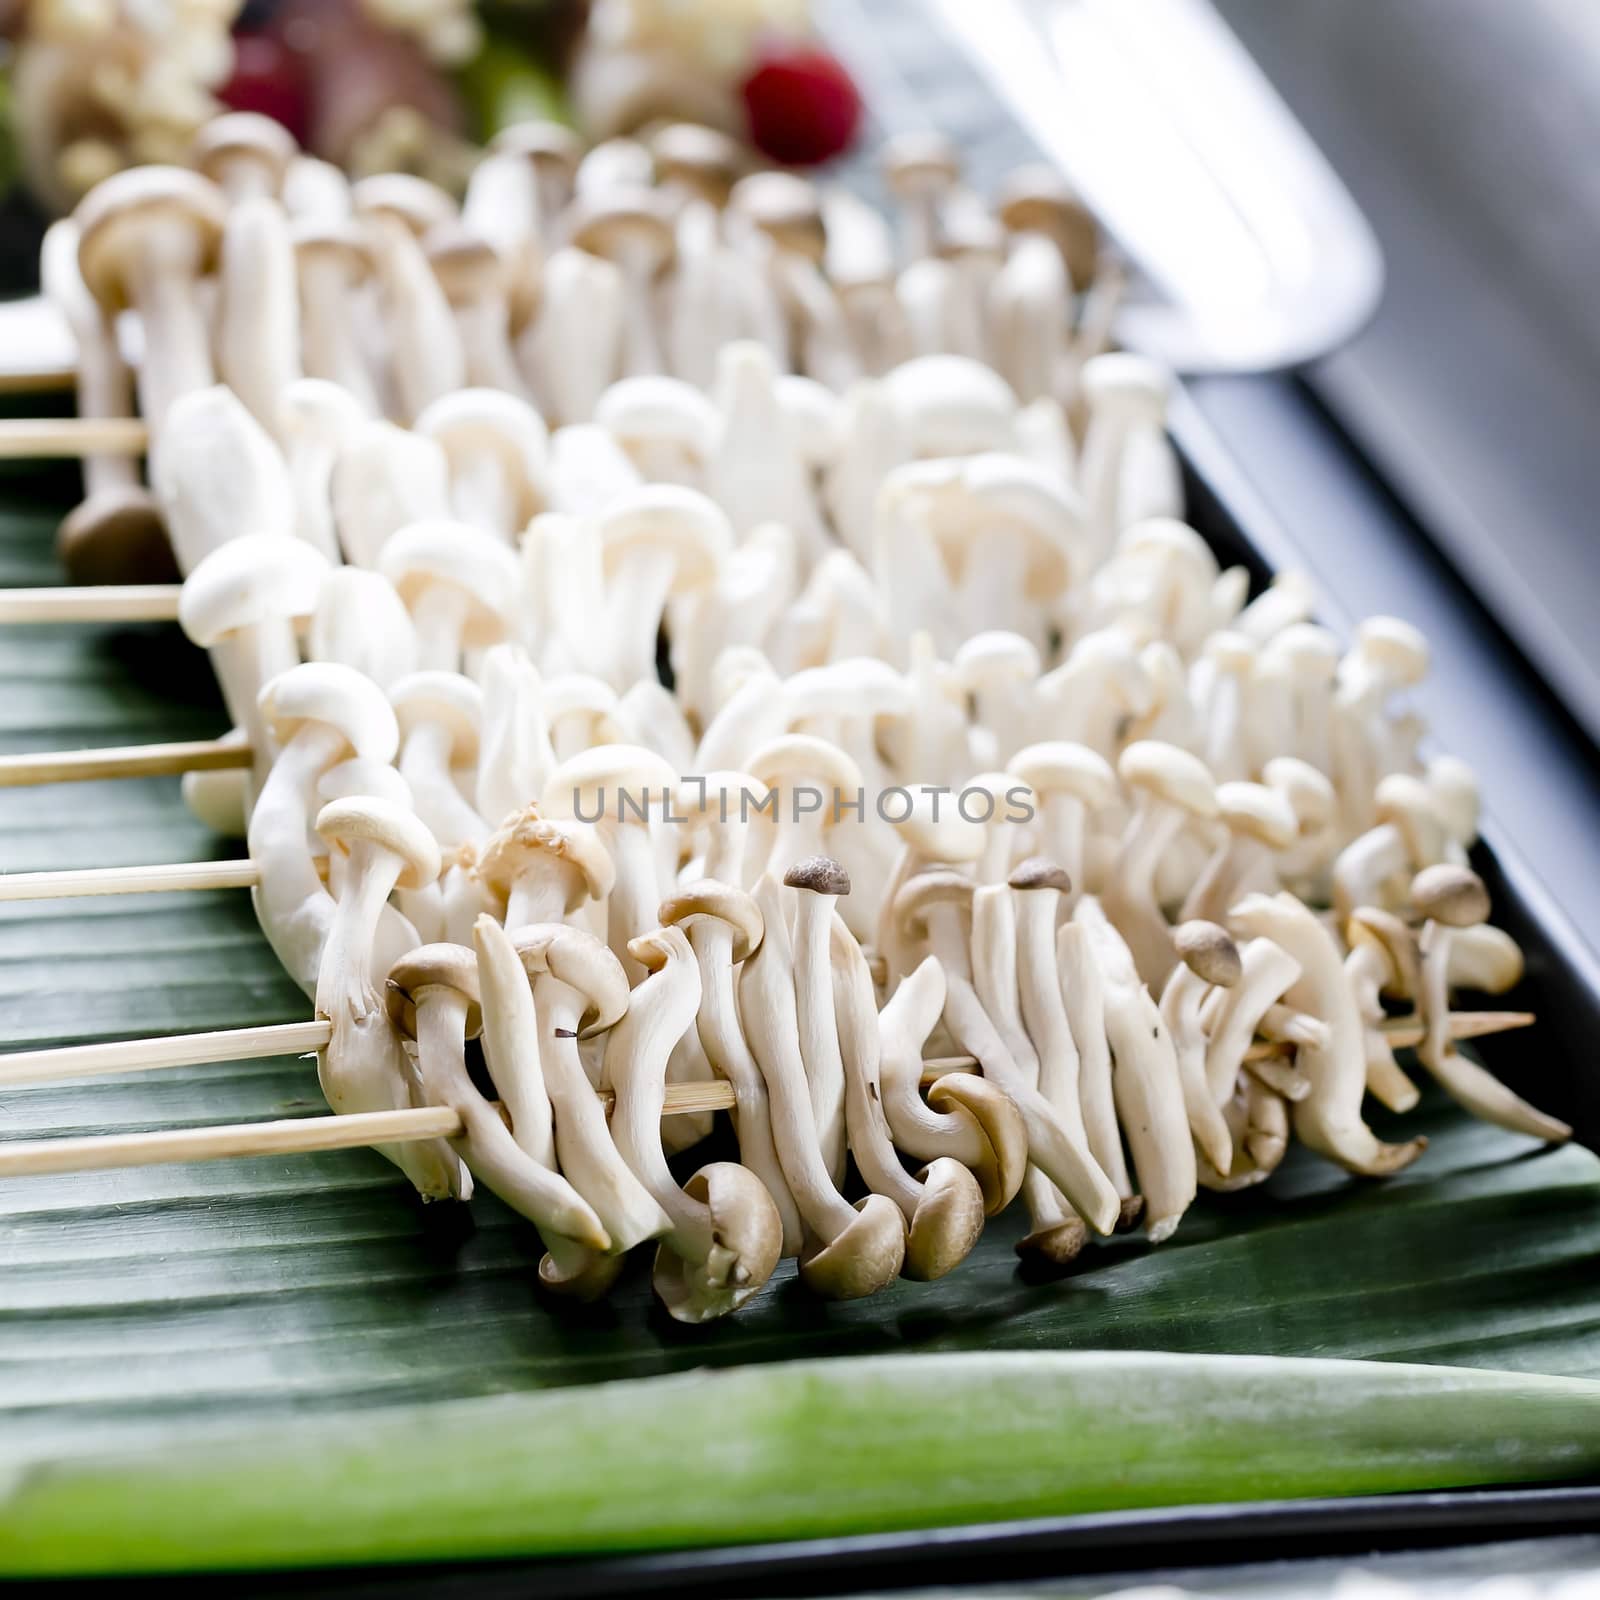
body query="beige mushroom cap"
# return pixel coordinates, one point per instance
(1037, 199)
(1029, 499)
(333, 238)
(1383, 929)
(581, 961)
(340, 697)
(372, 820)
(1307, 789)
(433, 966)
(419, 205)
(466, 263)
(922, 892)
(1037, 872)
(527, 837)
(480, 418)
(1395, 646)
(1209, 952)
(917, 162)
(785, 207)
(658, 408)
(938, 832)
(1058, 766)
(703, 158)
(818, 875)
(947, 1222)
(718, 795)
(799, 755)
(951, 403)
(542, 142)
(995, 657)
(256, 578)
(1408, 804)
(117, 214)
(1257, 812)
(1127, 382)
(1169, 774)
(863, 1259)
(482, 567)
(668, 516)
(622, 220)
(710, 897)
(1452, 895)
(603, 773)
(995, 1114)
(243, 133)
(746, 1227)
(441, 697)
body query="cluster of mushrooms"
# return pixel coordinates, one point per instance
(989, 838)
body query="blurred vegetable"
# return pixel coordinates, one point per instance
(272, 78)
(802, 106)
(503, 85)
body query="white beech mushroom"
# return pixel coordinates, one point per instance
(613, 787)
(1410, 834)
(242, 603)
(576, 978)
(573, 348)
(316, 419)
(1070, 784)
(1383, 958)
(724, 925)
(1258, 1128)
(145, 238)
(997, 669)
(543, 869)
(809, 780)
(657, 541)
(850, 1250)
(1451, 897)
(630, 228)
(1172, 788)
(1146, 1081)
(1129, 471)
(362, 623)
(818, 882)
(441, 719)
(1095, 692)
(334, 259)
(1386, 656)
(1234, 1015)
(245, 154)
(460, 584)
(1329, 1118)
(496, 445)
(943, 1204)
(726, 1233)
(722, 804)
(425, 353)
(516, 754)
(1209, 960)
(258, 309)
(1260, 823)
(477, 278)
(384, 479)
(363, 1067)
(667, 427)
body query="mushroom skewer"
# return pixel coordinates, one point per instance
(726, 1235)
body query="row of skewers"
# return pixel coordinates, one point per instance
(986, 824)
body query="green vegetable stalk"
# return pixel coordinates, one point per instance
(792, 1450)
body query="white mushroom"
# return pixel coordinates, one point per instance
(385, 478)
(460, 585)
(258, 309)
(334, 261)
(316, 420)
(1210, 961)
(1071, 784)
(544, 870)
(496, 446)
(478, 280)
(1261, 823)
(573, 348)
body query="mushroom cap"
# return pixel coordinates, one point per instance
(1396, 648)
(441, 697)
(542, 142)
(939, 832)
(947, 1221)
(417, 204)
(1036, 199)
(395, 828)
(1126, 383)
(1305, 651)
(1028, 499)
(114, 217)
(1055, 1245)
(482, 567)
(818, 875)
(1452, 895)
(333, 238)
(995, 1115)
(995, 657)
(1486, 958)
(1375, 926)
(704, 158)
(243, 133)
(117, 535)
(358, 777)
(747, 1235)
(812, 415)
(1230, 651)
(601, 774)
(1208, 952)
(1454, 786)
(1003, 789)
(718, 795)
(794, 756)
(864, 1258)
(953, 405)
(526, 837)
(656, 408)
(570, 694)
(1309, 792)
(1258, 812)
(922, 891)
(256, 578)
(785, 207)
(919, 162)
(859, 686)
(434, 966)
(620, 221)
(710, 897)
(1410, 805)
(1059, 766)
(466, 262)
(579, 960)
(1038, 872)
(1169, 774)
(668, 516)
(469, 420)
(337, 696)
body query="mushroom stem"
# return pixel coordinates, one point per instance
(635, 603)
(1180, 1011)
(817, 883)
(1268, 970)
(1083, 990)
(439, 615)
(177, 346)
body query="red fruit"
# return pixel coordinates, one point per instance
(270, 77)
(801, 105)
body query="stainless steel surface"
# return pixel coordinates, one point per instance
(1257, 256)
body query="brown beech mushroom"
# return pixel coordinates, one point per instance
(943, 1204)
(1451, 897)
(724, 925)
(726, 1234)
(850, 1251)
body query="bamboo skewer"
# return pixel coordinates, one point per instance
(157, 879)
(124, 761)
(110, 602)
(69, 438)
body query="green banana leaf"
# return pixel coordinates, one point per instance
(221, 1328)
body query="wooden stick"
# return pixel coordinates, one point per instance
(129, 880)
(109, 602)
(125, 761)
(68, 438)
(174, 1050)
